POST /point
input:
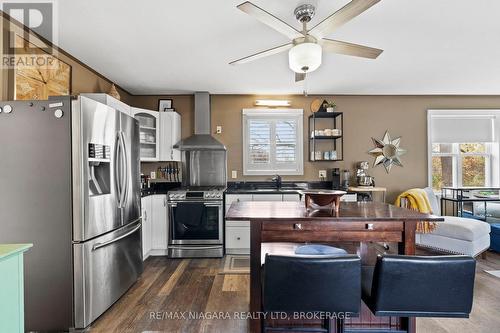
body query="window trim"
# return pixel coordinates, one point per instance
(493, 149)
(298, 115)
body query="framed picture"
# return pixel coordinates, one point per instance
(41, 80)
(165, 105)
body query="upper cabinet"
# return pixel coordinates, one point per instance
(159, 132)
(170, 134)
(110, 101)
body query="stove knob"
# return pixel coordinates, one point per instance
(219, 195)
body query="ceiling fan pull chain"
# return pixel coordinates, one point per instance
(305, 85)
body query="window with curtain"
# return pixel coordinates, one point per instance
(463, 146)
(272, 142)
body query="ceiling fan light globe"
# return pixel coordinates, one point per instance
(305, 56)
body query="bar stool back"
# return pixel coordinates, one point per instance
(413, 286)
(307, 284)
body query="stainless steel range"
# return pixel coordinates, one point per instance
(196, 222)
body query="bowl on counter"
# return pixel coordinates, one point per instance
(323, 199)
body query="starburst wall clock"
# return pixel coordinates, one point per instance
(387, 152)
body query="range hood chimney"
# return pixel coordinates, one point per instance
(202, 139)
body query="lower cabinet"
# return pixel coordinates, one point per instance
(237, 237)
(154, 225)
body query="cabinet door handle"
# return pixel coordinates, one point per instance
(297, 226)
(145, 215)
(238, 238)
(237, 200)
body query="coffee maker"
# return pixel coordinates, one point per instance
(362, 177)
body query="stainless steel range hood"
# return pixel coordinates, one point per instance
(202, 139)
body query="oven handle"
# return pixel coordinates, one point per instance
(194, 247)
(207, 204)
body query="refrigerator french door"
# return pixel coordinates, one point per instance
(107, 245)
(70, 185)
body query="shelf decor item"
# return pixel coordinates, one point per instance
(387, 151)
(113, 92)
(165, 105)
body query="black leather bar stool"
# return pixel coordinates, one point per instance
(413, 286)
(308, 284)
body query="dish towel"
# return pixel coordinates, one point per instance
(417, 200)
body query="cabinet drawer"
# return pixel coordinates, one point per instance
(350, 197)
(291, 197)
(238, 237)
(267, 197)
(333, 226)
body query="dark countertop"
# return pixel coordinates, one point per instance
(269, 187)
(159, 188)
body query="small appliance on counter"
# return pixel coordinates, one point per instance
(362, 177)
(336, 179)
(346, 175)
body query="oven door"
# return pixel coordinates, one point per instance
(195, 222)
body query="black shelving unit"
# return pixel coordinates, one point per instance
(337, 141)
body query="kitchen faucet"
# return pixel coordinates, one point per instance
(277, 180)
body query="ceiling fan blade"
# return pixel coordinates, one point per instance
(340, 17)
(262, 54)
(339, 47)
(300, 77)
(269, 20)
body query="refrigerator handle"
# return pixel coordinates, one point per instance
(103, 244)
(124, 161)
(117, 162)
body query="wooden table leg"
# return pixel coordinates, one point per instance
(255, 276)
(407, 247)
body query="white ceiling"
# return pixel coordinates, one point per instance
(164, 46)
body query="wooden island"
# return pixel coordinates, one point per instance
(354, 222)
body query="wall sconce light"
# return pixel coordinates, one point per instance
(272, 102)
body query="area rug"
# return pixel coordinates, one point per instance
(494, 273)
(236, 264)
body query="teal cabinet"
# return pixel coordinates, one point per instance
(12, 287)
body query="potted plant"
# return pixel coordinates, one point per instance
(330, 106)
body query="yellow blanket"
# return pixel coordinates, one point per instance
(417, 199)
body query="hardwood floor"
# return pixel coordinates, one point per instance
(172, 288)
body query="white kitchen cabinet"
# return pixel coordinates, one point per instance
(291, 197)
(237, 237)
(170, 134)
(230, 198)
(349, 197)
(149, 133)
(267, 197)
(159, 132)
(159, 225)
(110, 101)
(147, 229)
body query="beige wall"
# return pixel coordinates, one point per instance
(364, 117)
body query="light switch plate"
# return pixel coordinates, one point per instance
(322, 174)
(219, 130)
(234, 174)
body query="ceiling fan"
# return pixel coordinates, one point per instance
(306, 48)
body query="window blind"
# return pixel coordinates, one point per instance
(272, 142)
(460, 129)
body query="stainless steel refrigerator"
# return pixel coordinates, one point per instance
(69, 184)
